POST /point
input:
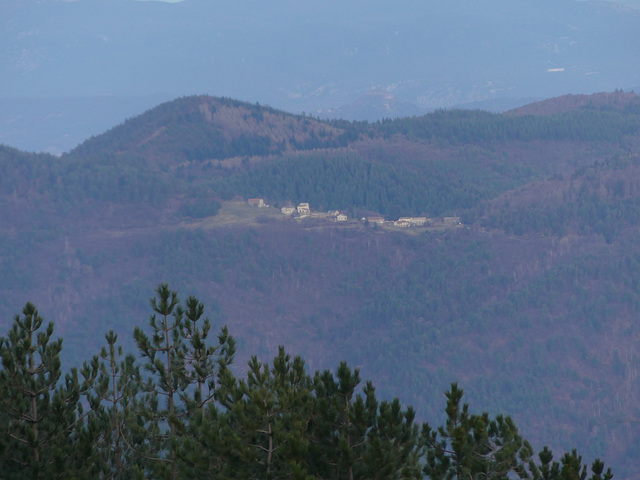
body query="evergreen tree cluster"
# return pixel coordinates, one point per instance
(349, 181)
(67, 181)
(457, 127)
(600, 198)
(177, 410)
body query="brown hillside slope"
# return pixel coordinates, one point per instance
(202, 128)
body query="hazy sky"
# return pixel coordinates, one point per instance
(629, 3)
(308, 55)
(304, 55)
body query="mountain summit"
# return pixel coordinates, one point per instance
(204, 128)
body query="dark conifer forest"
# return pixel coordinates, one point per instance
(175, 409)
(349, 342)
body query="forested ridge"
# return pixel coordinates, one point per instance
(176, 410)
(203, 147)
(530, 304)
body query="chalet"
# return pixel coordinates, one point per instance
(304, 209)
(257, 202)
(341, 217)
(288, 210)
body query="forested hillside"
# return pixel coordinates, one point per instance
(529, 304)
(177, 411)
(202, 129)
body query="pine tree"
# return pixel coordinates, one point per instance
(393, 450)
(340, 423)
(182, 368)
(570, 467)
(353, 436)
(473, 446)
(110, 429)
(203, 360)
(160, 410)
(42, 413)
(200, 448)
(268, 414)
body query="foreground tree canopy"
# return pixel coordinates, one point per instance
(177, 411)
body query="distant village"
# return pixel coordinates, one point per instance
(303, 210)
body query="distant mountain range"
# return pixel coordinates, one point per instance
(328, 58)
(530, 304)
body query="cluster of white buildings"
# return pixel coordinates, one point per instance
(303, 210)
(257, 202)
(405, 222)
